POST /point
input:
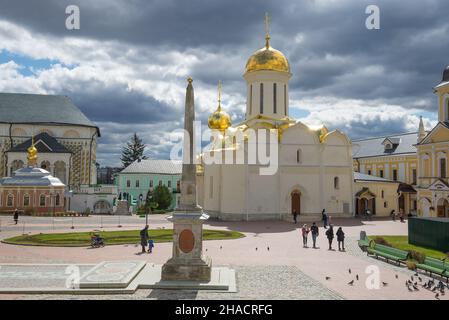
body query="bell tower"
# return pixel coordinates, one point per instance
(267, 74)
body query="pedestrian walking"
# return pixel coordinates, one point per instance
(324, 218)
(340, 239)
(315, 232)
(305, 233)
(144, 236)
(393, 215)
(401, 216)
(150, 246)
(295, 216)
(16, 216)
(330, 236)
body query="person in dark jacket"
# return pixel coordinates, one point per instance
(295, 216)
(315, 232)
(330, 236)
(340, 239)
(16, 216)
(324, 218)
(144, 237)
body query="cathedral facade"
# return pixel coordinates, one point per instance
(314, 169)
(64, 137)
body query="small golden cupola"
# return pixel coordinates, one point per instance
(267, 58)
(219, 120)
(32, 154)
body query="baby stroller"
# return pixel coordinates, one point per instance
(96, 241)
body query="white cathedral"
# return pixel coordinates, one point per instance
(315, 170)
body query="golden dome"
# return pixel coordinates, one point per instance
(32, 154)
(219, 120)
(267, 58)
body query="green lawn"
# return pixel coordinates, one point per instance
(82, 239)
(401, 242)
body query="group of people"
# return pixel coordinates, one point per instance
(394, 215)
(305, 230)
(146, 241)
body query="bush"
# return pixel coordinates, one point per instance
(417, 256)
(162, 196)
(382, 241)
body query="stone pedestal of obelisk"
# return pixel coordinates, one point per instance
(187, 262)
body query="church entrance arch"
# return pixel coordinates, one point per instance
(296, 201)
(442, 208)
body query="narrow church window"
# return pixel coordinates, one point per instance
(336, 183)
(169, 184)
(298, 156)
(274, 98)
(382, 194)
(137, 183)
(395, 174)
(42, 200)
(57, 200)
(261, 98)
(211, 187)
(151, 183)
(26, 200)
(414, 176)
(128, 183)
(285, 99)
(9, 200)
(369, 172)
(442, 167)
(381, 173)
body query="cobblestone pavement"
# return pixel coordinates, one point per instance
(253, 283)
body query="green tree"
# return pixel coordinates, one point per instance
(133, 151)
(162, 196)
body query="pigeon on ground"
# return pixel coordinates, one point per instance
(351, 282)
(409, 289)
(396, 276)
(328, 278)
(357, 277)
(221, 247)
(437, 296)
(384, 284)
(420, 279)
(349, 271)
(268, 248)
(415, 288)
(256, 248)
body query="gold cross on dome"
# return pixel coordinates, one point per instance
(267, 24)
(219, 92)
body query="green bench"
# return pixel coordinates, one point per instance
(436, 266)
(388, 253)
(364, 243)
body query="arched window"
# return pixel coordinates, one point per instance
(250, 99)
(10, 200)
(45, 165)
(16, 165)
(42, 200)
(336, 183)
(298, 156)
(442, 167)
(26, 200)
(57, 200)
(274, 98)
(261, 98)
(382, 194)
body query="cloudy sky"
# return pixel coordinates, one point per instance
(126, 67)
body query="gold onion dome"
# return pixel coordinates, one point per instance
(219, 120)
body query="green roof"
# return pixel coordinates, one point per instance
(42, 109)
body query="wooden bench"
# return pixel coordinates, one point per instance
(436, 266)
(388, 253)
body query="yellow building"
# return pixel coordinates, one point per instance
(432, 153)
(392, 158)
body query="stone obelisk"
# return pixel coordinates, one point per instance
(187, 262)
